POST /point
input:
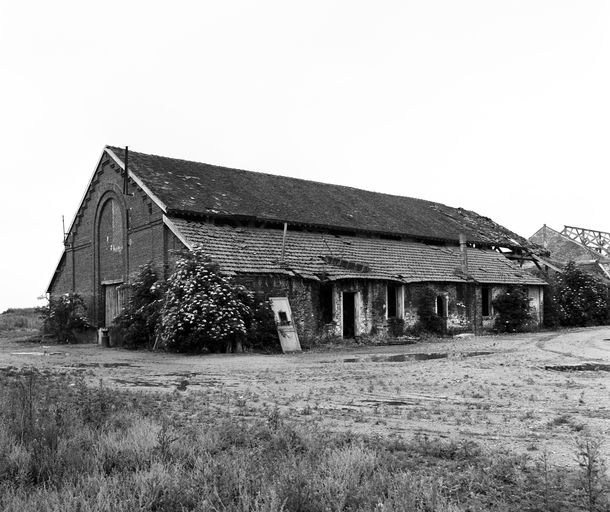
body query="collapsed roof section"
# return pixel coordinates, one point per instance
(319, 256)
(197, 190)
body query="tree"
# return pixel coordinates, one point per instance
(513, 307)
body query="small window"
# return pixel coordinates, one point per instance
(283, 318)
(485, 301)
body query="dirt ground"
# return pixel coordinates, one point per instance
(533, 393)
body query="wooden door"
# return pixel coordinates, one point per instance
(113, 302)
(289, 339)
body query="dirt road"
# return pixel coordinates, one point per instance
(533, 393)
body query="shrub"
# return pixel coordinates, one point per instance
(137, 323)
(429, 320)
(581, 299)
(513, 307)
(261, 331)
(64, 316)
(202, 309)
(396, 327)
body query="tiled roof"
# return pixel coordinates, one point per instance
(198, 188)
(314, 255)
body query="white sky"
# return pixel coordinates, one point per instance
(498, 106)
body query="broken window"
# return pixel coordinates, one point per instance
(283, 318)
(485, 301)
(326, 303)
(394, 301)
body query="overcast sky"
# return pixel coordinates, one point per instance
(498, 106)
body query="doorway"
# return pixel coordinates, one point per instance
(349, 315)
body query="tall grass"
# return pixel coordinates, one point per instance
(68, 447)
(20, 319)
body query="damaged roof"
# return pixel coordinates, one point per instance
(315, 255)
(192, 188)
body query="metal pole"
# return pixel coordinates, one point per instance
(284, 242)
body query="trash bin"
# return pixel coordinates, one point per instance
(105, 338)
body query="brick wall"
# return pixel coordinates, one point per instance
(89, 258)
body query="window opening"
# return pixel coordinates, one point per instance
(283, 318)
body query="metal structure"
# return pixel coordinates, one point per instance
(599, 241)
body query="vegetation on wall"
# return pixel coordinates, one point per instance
(513, 310)
(64, 317)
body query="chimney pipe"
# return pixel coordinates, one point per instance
(464, 254)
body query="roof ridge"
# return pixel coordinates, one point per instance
(436, 203)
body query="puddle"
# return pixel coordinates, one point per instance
(36, 353)
(401, 358)
(100, 365)
(585, 367)
(397, 403)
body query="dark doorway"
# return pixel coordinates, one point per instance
(392, 302)
(485, 309)
(349, 314)
(326, 303)
(440, 306)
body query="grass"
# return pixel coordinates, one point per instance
(20, 319)
(65, 446)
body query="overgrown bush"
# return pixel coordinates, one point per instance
(429, 320)
(581, 299)
(261, 331)
(513, 310)
(396, 327)
(137, 322)
(64, 317)
(203, 310)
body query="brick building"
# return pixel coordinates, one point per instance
(563, 249)
(348, 259)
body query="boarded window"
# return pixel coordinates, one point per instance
(116, 242)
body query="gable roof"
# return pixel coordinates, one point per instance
(192, 188)
(562, 248)
(315, 255)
